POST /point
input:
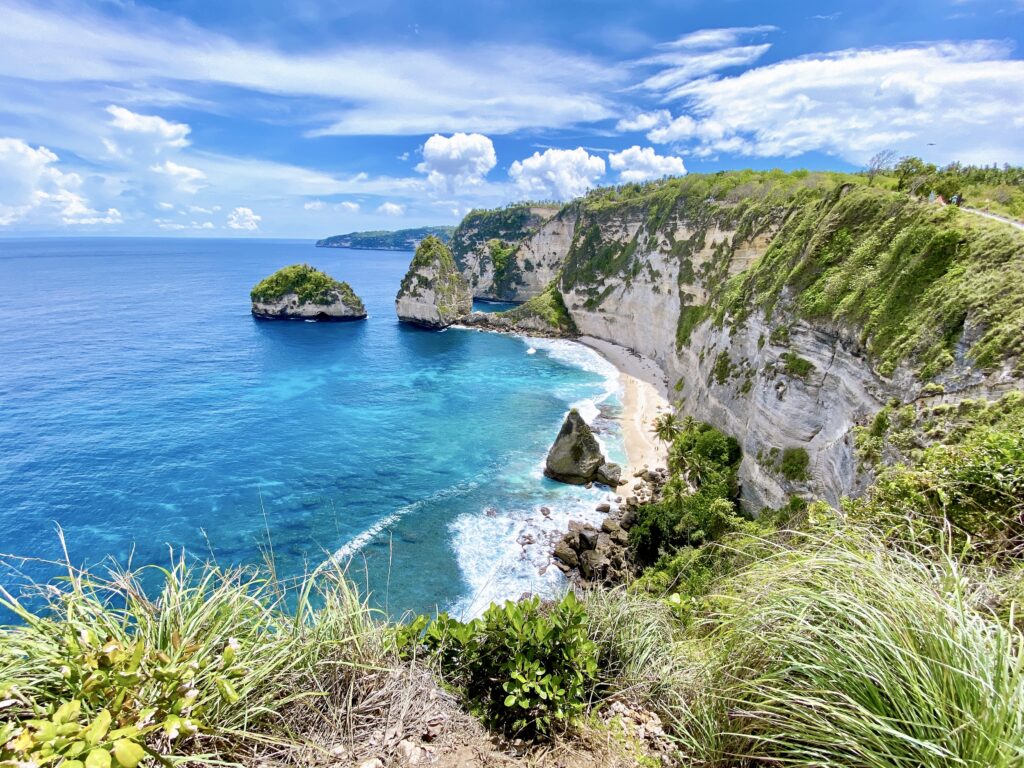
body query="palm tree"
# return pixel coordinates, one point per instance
(667, 427)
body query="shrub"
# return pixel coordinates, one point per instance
(794, 464)
(794, 365)
(974, 489)
(524, 668)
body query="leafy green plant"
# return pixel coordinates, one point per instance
(309, 284)
(794, 464)
(524, 667)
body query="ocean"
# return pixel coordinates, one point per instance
(144, 411)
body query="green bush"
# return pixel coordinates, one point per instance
(211, 664)
(525, 668)
(794, 464)
(309, 284)
(971, 491)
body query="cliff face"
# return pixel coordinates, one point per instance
(433, 293)
(787, 310)
(513, 253)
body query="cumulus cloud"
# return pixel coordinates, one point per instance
(164, 132)
(33, 188)
(966, 99)
(186, 178)
(557, 173)
(391, 209)
(458, 161)
(348, 206)
(642, 164)
(314, 205)
(244, 218)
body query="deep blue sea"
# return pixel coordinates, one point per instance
(143, 409)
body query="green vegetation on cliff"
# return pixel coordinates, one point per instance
(385, 240)
(309, 284)
(913, 280)
(547, 307)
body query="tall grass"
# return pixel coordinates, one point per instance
(855, 656)
(213, 663)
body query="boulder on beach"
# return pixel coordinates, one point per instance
(576, 457)
(300, 292)
(434, 294)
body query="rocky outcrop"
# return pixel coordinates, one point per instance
(576, 457)
(433, 293)
(602, 555)
(300, 292)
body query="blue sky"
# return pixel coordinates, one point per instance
(312, 118)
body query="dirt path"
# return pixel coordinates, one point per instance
(994, 217)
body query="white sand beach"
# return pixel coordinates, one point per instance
(645, 396)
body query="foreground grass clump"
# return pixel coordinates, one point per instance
(843, 653)
(309, 284)
(211, 665)
(525, 668)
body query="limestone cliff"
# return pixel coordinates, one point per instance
(433, 293)
(513, 253)
(786, 309)
(300, 292)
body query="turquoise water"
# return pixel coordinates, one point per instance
(142, 407)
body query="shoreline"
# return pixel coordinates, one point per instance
(644, 396)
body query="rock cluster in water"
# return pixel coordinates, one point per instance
(575, 457)
(434, 294)
(300, 292)
(602, 555)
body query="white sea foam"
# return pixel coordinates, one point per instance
(508, 554)
(356, 544)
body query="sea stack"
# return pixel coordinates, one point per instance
(575, 457)
(433, 294)
(300, 292)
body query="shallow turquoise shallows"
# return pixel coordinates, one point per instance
(142, 407)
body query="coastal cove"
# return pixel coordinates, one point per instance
(156, 413)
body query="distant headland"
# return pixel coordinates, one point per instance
(381, 240)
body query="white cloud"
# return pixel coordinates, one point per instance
(644, 121)
(177, 226)
(682, 127)
(33, 188)
(201, 209)
(966, 99)
(721, 37)
(314, 205)
(165, 132)
(636, 164)
(348, 206)
(459, 161)
(165, 206)
(391, 209)
(244, 218)
(186, 178)
(557, 173)
(374, 89)
(682, 67)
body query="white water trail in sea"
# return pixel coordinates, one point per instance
(507, 553)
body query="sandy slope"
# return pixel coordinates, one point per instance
(645, 395)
